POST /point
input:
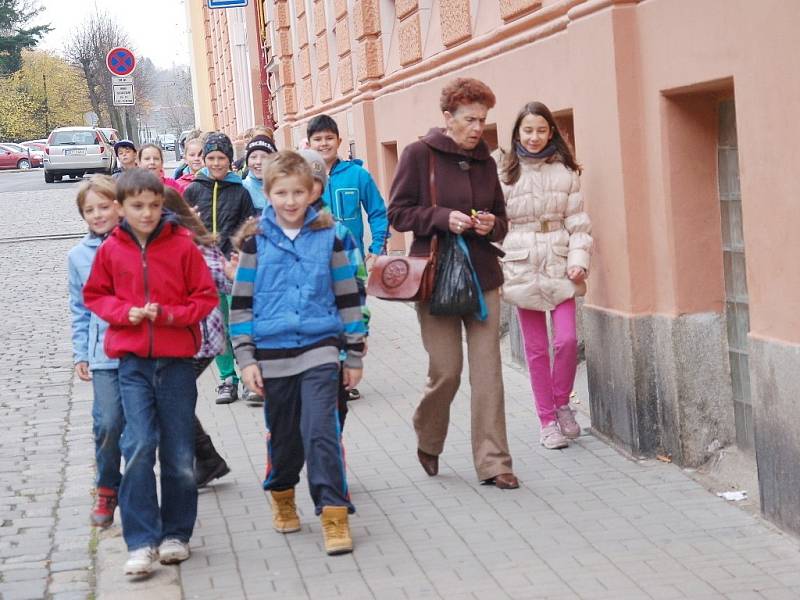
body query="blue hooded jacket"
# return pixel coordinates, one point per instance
(350, 186)
(88, 330)
(256, 188)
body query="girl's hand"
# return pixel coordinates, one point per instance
(483, 222)
(251, 375)
(576, 274)
(230, 266)
(351, 377)
(459, 222)
(82, 371)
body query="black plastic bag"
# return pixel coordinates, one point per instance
(455, 291)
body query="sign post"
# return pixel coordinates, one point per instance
(121, 62)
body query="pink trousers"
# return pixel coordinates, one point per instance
(551, 387)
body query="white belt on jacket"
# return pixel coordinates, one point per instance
(542, 226)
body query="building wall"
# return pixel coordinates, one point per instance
(638, 85)
(228, 76)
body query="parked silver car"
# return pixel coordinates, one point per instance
(75, 151)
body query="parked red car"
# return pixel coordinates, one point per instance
(11, 158)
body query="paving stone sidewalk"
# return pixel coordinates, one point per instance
(46, 454)
(587, 522)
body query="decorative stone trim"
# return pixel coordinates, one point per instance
(285, 48)
(282, 15)
(403, 8)
(324, 84)
(346, 74)
(409, 34)
(370, 59)
(456, 21)
(342, 37)
(308, 93)
(366, 18)
(304, 62)
(289, 99)
(319, 17)
(286, 71)
(323, 58)
(513, 9)
(302, 31)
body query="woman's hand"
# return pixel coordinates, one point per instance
(483, 223)
(576, 274)
(459, 222)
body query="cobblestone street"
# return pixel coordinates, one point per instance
(46, 455)
(586, 523)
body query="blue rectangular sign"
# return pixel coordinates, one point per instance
(226, 3)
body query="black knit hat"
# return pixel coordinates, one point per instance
(260, 142)
(218, 141)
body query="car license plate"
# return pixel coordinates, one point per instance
(75, 151)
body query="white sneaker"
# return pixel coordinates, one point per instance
(172, 551)
(140, 561)
(552, 438)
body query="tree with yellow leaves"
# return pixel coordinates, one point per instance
(27, 111)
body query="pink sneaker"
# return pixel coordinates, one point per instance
(566, 421)
(551, 438)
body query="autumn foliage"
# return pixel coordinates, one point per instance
(22, 97)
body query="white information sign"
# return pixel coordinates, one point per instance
(123, 94)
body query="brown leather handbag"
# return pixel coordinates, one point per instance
(406, 278)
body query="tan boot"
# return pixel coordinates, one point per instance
(336, 530)
(284, 511)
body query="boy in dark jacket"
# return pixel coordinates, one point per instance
(224, 205)
(151, 284)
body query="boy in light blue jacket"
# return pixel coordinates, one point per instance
(97, 204)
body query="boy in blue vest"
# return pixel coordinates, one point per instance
(295, 304)
(350, 186)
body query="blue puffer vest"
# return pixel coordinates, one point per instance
(293, 300)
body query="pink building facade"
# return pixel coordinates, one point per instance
(686, 117)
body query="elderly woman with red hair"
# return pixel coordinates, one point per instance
(469, 201)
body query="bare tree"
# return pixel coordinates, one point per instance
(176, 98)
(87, 49)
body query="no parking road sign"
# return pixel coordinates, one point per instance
(120, 61)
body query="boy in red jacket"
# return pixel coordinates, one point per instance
(151, 284)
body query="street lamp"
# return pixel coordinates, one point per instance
(46, 108)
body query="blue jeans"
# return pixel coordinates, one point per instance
(158, 398)
(107, 424)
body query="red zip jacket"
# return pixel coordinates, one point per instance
(169, 270)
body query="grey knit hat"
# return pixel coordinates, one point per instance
(317, 164)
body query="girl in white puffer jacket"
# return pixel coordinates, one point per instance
(548, 249)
